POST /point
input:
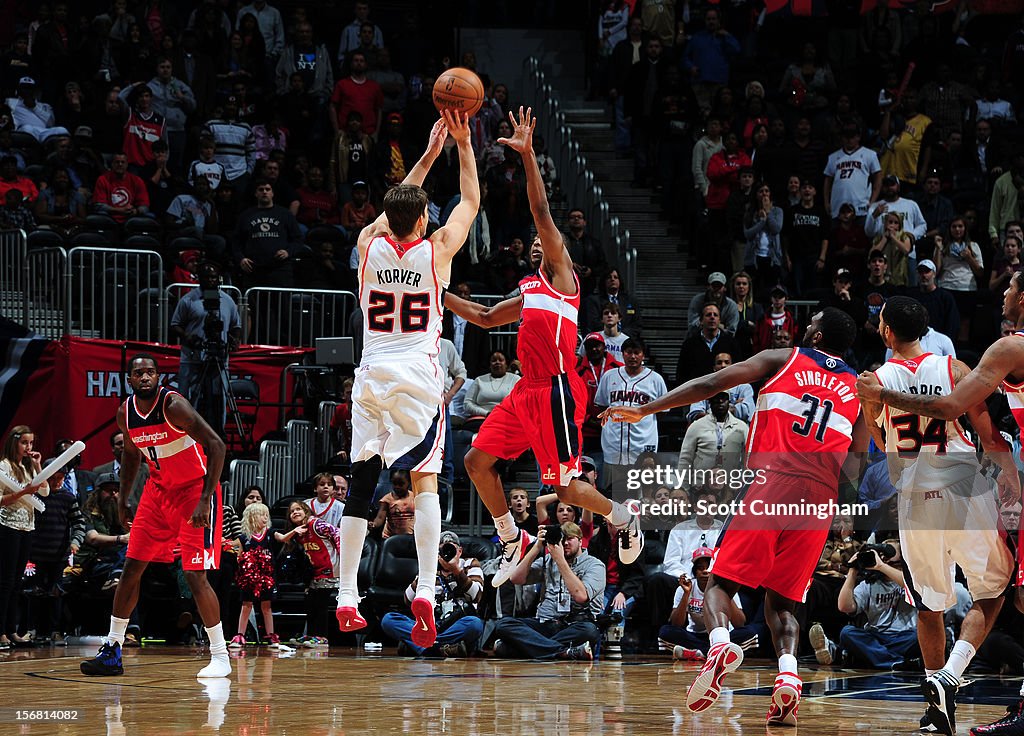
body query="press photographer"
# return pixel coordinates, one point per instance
(207, 324)
(459, 585)
(874, 590)
(571, 599)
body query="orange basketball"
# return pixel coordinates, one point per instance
(459, 90)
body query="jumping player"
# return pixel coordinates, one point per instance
(546, 409)
(1001, 365)
(948, 514)
(397, 398)
(180, 506)
(807, 419)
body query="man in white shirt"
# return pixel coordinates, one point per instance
(741, 397)
(31, 116)
(630, 385)
(853, 174)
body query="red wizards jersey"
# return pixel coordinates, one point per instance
(322, 544)
(547, 327)
(1015, 395)
(174, 458)
(803, 424)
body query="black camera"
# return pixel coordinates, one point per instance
(448, 551)
(867, 556)
(553, 534)
(213, 324)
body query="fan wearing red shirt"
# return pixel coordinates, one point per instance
(357, 92)
(119, 193)
(591, 367)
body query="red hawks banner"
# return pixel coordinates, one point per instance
(73, 387)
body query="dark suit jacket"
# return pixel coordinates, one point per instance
(86, 482)
(695, 359)
(476, 346)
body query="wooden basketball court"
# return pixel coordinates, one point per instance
(343, 692)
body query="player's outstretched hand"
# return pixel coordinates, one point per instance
(438, 134)
(868, 387)
(1009, 486)
(457, 124)
(629, 414)
(522, 131)
(201, 516)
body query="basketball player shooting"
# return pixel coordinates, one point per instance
(807, 420)
(546, 409)
(180, 507)
(948, 511)
(1002, 365)
(397, 398)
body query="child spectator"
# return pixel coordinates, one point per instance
(519, 505)
(322, 545)
(255, 575)
(396, 510)
(323, 505)
(206, 165)
(358, 213)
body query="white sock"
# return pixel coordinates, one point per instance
(427, 531)
(117, 628)
(787, 663)
(1022, 689)
(959, 658)
(506, 527)
(719, 635)
(619, 515)
(353, 534)
(217, 645)
(928, 672)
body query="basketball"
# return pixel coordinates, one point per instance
(459, 90)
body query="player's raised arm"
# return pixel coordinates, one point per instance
(998, 362)
(181, 414)
(555, 254)
(502, 313)
(759, 367)
(451, 237)
(415, 177)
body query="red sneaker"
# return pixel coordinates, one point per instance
(705, 689)
(785, 700)
(349, 618)
(424, 634)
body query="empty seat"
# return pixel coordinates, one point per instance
(395, 570)
(45, 239)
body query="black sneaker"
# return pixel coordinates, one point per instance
(581, 653)
(457, 650)
(912, 665)
(939, 690)
(926, 724)
(1012, 724)
(106, 663)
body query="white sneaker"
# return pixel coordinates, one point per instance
(824, 650)
(631, 541)
(218, 667)
(511, 553)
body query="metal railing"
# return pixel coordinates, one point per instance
(300, 442)
(116, 293)
(577, 180)
(294, 316)
(501, 338)
(275, 476)
(45, 296)
(323, 441)
(243, 473)
(14, 274)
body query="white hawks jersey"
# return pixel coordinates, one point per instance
(932, 454)
(400, 295)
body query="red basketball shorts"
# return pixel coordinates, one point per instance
(162, 523)
(544, 415)
(780, 551)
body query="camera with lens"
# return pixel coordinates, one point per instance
(213, 324)
(448, 551)
(868, 556)
(553, 534)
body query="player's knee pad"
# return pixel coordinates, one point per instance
(364, 481)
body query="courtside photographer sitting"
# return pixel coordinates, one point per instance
(572, 596)
(459, 585)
